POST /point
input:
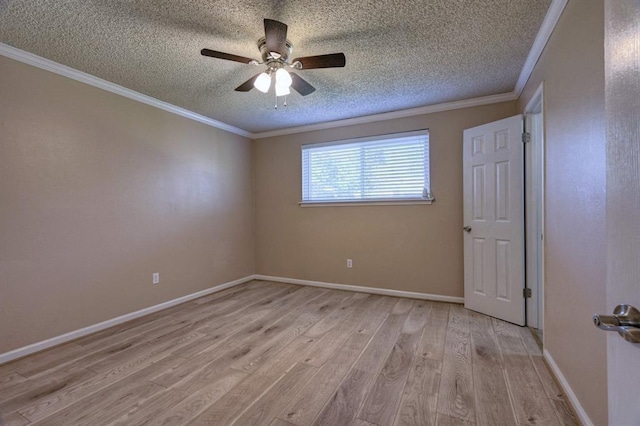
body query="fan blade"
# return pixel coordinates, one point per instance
(227, 56)
(332, 60)
(247, 85)
(276, 35)
(300, 85)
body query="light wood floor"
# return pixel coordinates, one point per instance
(276, 354)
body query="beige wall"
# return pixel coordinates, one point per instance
(97, 192)
(412, 248)
(572, 68)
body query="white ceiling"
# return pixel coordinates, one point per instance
(400, 53)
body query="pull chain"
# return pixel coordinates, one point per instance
(285, 102)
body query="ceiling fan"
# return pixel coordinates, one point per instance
(275, 50)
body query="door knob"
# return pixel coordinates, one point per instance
(625, 320)
(467, 228)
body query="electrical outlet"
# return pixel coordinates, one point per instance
(349, 263)
(156, 277)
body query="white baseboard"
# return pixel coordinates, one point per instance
(67, 337)
(573, 399)
(372, 290)
(54, 341)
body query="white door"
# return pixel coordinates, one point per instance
(622, 91)
(494, 219)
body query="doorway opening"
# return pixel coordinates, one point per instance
(534, 211)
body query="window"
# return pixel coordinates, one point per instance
(388, 168)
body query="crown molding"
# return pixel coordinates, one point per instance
(544, 34)
(63, 70)
(429, 109)
(548, 24)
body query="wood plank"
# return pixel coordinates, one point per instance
(432, 344)
(444, 420)
(337, 316)
(18, 387)
(309, 401)
(137, 367)
(242, 355)
(383, 401)
(279, 422)
(32, 364)
(289, 327)
(252, 388)
(242, 343)
(131, 327)
(190, 407)
(273, 401)
(334, 338)
(171, 341)
(456, 384)
(204, 313)
(531, 404)
(565, 413)
(10, 380)
(342, 407)
(228, 324)
(233, 291)
(360, 422)
(346, 401)
(219, 331)
(145, 413)
(492, 401)
(529, 342)
(95, 353)
(90, 354)
(376, 316)
(378, 350)
(168, 316)
(508, 336)
(103, 406)
(291, 307)
(25, 386)
(231, 405)
(270, 371)
(551, 388)
(13, 419)
(420, 396)
(48, 387)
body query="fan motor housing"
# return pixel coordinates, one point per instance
(267, 56)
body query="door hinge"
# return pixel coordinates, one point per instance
(526, 293)
(526, 137)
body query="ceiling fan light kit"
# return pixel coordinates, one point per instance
(263, 82)
(275, 50)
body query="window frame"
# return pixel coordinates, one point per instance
(428, 199)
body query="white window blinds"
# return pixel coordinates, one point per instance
(389, 167)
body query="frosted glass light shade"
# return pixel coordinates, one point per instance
(282, 90)
(283, 78)
(263, 82)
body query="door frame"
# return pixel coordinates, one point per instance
(534, 182)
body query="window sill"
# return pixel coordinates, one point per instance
(400, 202)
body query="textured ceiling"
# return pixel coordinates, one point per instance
(400, 53)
